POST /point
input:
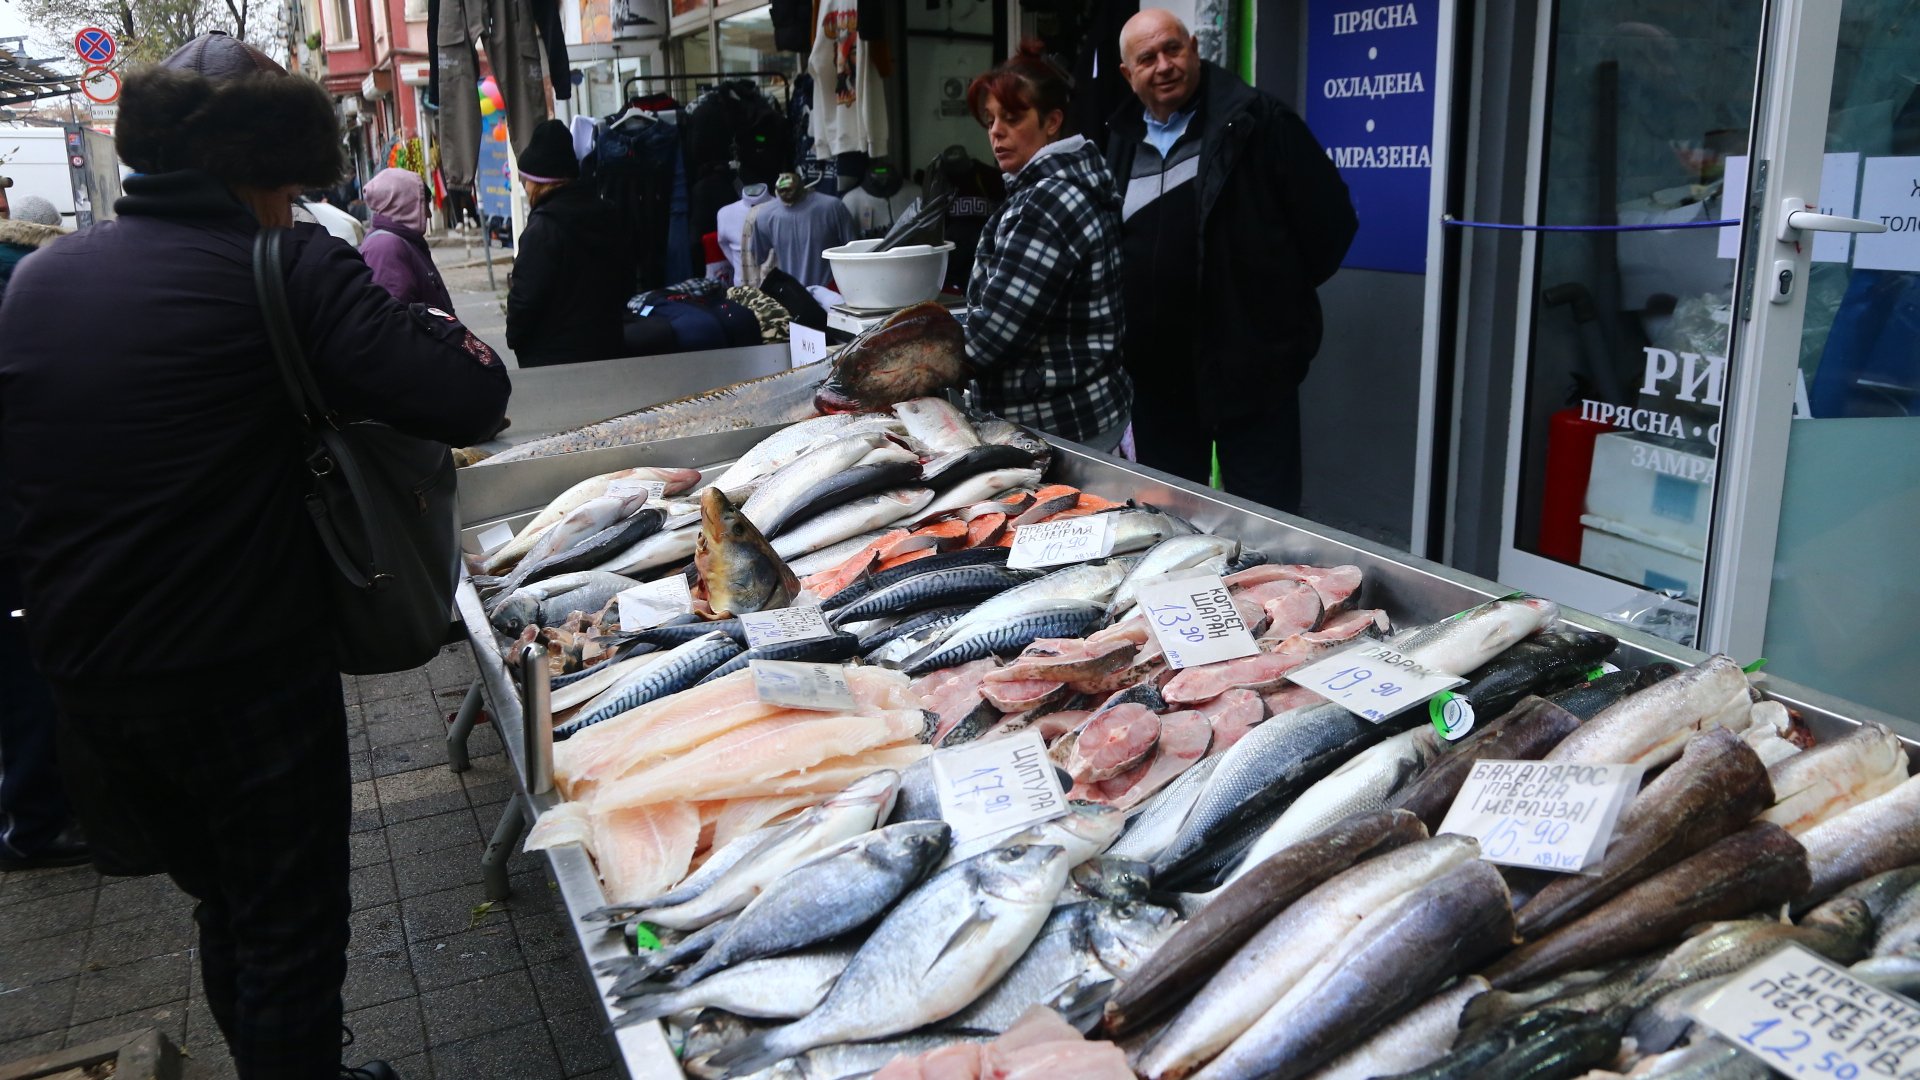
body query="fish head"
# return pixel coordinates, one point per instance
(735, 564)
(1020, 874)
(914, 846)
(516, 614)
(1111, 877)
(913, 353)
(1123, 934)
(1845, 917)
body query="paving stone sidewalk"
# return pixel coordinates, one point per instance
(436, 984)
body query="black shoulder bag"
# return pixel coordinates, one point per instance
(383, 506)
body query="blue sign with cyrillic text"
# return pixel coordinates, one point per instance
(1370, 98)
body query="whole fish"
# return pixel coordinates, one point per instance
(775, 988)
(579, 691)
(664, 548)
(949, 470)
(941, 587)
(945, 560)
(918, 796)
(936, 952)
(777, 496)
(1817, 784)
(895, 652)
(1364, 783)
(1418, 1038)
(1137, 528)
(848, 814)
(1107, 877)
(593, 487)
(633, 973)
(774, 399)
(979, 487)
(835, 892)
(851, 519)
(1876, 835)
(717, 863)
(1091, 582)
(912, 354)
(1883, 890)
(1541, 664)
(937, 424)
(826, 558)
(1567, 1050)
(781, 447)
(1755, 868)
(1080, 944)
(1040, 619)
(1525, 733)
(1711, 1059)
(594, 550)
(1166, 558)
(1397, 955)
(1586, 700)
(866, 478)
(1900, 974)
(676, 670)
(667, 635)
(549, 602)
(1156, 822)
(738, 570)
(1650, 727)
(1287, 949)
(1714, 790)
(1237, 912)
(1838, 930)
(1276, 760)
(1898, 926)
(823, 650)
(992, 429)
(1084, 831)
(911, 624)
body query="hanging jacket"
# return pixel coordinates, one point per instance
(571, 280)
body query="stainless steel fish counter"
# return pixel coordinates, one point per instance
(1414, 590)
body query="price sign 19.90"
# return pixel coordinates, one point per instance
(1195, 621)
(1375, 681)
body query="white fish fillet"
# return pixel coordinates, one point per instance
(1810, 787)
(566, 823)
(828, 776)
(738, 817)
(758, 751)
(644, 850)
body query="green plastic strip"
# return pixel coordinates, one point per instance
(1755, 666)
(641, 936)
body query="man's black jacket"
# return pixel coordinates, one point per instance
(572, 278)
(155, 456)
(1275, 221)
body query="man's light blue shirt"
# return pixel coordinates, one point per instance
(1162, 135)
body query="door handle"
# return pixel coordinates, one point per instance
(1795, 219)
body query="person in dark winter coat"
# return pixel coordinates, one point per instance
(395, 246)
(174, 580)
(1234, 216)
(1043, 336)
(573, 273)
(33, 225)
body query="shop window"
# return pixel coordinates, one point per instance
(691, 53)
(342, 28)
(746, 44)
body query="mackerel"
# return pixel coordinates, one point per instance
(674, 672)
(1091, 582)
(935, 588)
(825, 650)
(1041, 619)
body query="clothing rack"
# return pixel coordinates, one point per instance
(784, 81)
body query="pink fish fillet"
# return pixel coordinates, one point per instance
(1231, 715)
(1114, 741)
(1288, 698)
(644, 850)
(1261, 671)
(758, 751)
(1068, 659)
(1019, 695)
(1185, 738)
(959, 1061)
(1292, 608)
(1337, 585)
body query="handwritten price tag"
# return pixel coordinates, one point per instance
(819, 687)
(805, 345)
(997, 787)
(646, 606)
(626, 487)
(1374, 681)
(1195, 621)
(784, 624)
(1807, 1017)
(1545, 815)
(494, 539)
(1055, 543)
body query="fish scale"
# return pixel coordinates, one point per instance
(1065, 618)
(936, 588)
(674, 672)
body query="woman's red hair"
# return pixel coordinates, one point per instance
(1024, 81)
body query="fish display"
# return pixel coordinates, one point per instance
(1247, 880)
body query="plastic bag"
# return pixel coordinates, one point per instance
(1664, 613)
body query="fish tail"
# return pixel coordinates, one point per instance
(751, 1054)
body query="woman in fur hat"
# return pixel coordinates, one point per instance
(175, 580)
(32, 225)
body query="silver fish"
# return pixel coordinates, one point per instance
(587, 520)
(664, 548)
(779, 448)
(1091, 583)
(1140, 529)
(549, 602)
(1081, 946)
(1085, 830)
(777, 497)
(1168, 556)
(1157, 821)
(1652, 726)
(937, 424)
(940, 949)
(1422, 1036)
(684, 666)
(1876, 835)
(833, 554)
(717, 864)
(774, 988)
(851, 519)
(980, 486)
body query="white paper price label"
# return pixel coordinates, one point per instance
(1055, 543)
(784, 624)
(1374, 681)
(793, 685)
(492, 540)
(998, 786)
(646, 606)
(805, 345)
(1195, 621)
(1545, 815)
(626, 487)
(1807, 1017)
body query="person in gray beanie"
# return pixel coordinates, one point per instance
(174, 584)
(33, 224)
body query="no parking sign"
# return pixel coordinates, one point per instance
(94, 45)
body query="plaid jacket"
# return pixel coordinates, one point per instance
(1043, 335)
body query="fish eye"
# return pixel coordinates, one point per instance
(1013, 854)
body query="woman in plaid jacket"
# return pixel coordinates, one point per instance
(1043, 335)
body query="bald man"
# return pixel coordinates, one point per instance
(1232, 217)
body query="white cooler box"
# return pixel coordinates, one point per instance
(1650, 489)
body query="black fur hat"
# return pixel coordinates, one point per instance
(222, 106)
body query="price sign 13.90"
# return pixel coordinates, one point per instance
(1195, 621)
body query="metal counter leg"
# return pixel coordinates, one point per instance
(506, 840)
(463, 722)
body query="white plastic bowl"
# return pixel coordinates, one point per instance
(888, 279)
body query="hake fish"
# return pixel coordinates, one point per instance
(1650, 727)
(1396, 955)
(1715, 789)
(1525, 733)
(738, 569)
(1286, 949)
(1238, 911)
(1879, 834)
(934, 954)
(1421, 1036)
(1817, 784)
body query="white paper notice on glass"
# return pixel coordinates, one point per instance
(1546, 815)
(627, 486)
(1890, 195)
(1374, 680)
(1839, 175)
(794, 685)
(805, 345)
(784, 624)
(1805, 1016)
(1056, 543)
(996, 787)
(492, 540)
(646, 606)
(1195, 621)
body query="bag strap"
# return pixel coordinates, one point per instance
(270, 283)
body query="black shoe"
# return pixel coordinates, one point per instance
(67, 849)
(372, 1070)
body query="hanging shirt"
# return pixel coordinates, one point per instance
(873, 215)
(732, 225)
(797, 234)
(849, 107)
